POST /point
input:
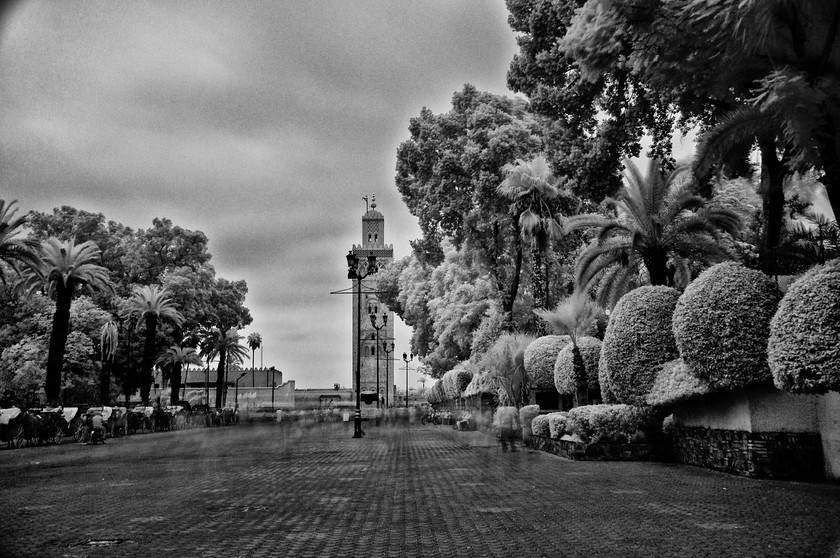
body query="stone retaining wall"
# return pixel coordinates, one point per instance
(597, 452)
(777, 455)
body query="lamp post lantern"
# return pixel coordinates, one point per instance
(407, 359)
(353, 272)
(387, 374)
(377, 328)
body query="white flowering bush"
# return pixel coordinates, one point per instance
(803, 350)
(673, 383)
(540, 357)
(526, 415)
(557, 424)
(564, 366)
(482, 383)
(539, 426)
(722, 325)
(637, 340)
(611, 423)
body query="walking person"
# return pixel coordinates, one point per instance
(506, 422)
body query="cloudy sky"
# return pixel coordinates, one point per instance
(261, 124)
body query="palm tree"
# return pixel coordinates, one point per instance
(729, 143)
(661, 226)
(176, 357)
(530, 186)
(64, 265)
(151, 304)
(226, 346)
(574, 317)
(108, 341)
(255, 342)
(14, 251)
(505, 361)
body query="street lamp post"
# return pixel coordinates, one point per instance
(387, 375)
(273, 385)
(353, 272)
(236, 391)
(377, 328)
(407, 359)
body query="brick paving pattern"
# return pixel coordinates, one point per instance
(420, 491)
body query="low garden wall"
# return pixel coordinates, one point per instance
(580, 451)
(757, 432)
(776, 455)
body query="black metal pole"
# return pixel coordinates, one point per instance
(357, 421)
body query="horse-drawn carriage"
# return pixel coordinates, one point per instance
(179, 415)
(33, 426)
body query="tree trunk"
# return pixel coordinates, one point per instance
(220, 377)
(513, 289)
(58, 340)
(104, 383)
(657, 268)
(148, 358)
(829, 146)
(581, 391)
(175, 383)
(773, 205)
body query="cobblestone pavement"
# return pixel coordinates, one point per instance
(279, 490)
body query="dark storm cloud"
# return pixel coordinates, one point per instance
(261, 124)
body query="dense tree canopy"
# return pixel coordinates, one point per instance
(107, 253)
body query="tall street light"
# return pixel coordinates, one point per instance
(236, 391)
(387, 375)
(377, 328)
(407, 359)
(353, 272)
(274, 385)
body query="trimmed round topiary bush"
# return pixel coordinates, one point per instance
(564, 367)
(539, 426)
(637, 340)
(803, 350)
(526, 415)
(611, 423)
(673, 383)
(540, 357)
(722, 324)
(482, 383)
(557, 424)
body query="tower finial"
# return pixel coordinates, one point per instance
(373, 201)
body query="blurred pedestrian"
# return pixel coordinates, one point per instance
(506, 422)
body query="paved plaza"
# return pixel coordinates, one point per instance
(419, 491)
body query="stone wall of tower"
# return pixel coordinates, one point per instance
(373, 241)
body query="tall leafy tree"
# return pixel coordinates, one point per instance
(14, 251)
(661, 226)
(448, 172)
(65, 265)
(151, 305)
(176, 357)
(66, 222)
(224, 345)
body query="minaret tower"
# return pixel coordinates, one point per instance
(373, 241)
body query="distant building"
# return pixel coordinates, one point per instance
(373, 241)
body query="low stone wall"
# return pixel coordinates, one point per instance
(579, 451)
(776, 455)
